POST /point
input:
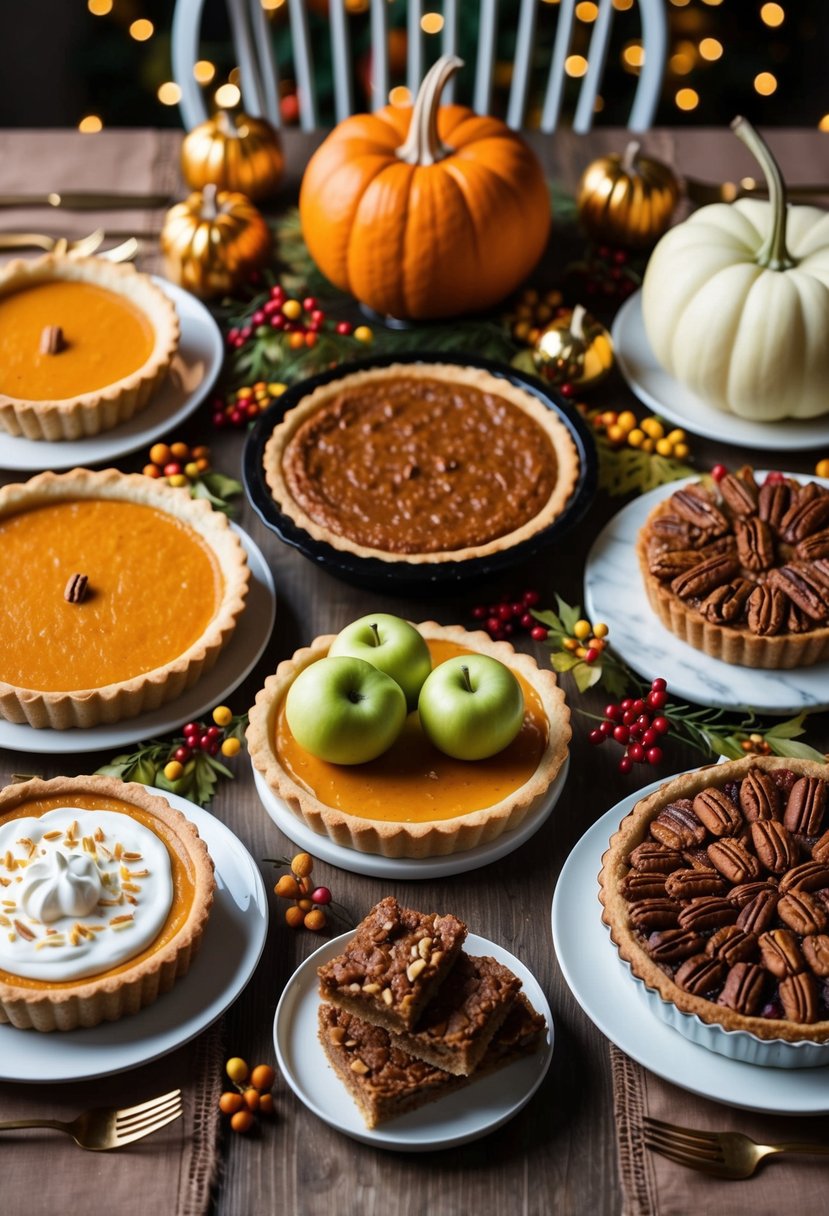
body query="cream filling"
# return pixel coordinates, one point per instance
(80, 892)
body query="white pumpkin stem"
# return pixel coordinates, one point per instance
(773, 255)
(631, 156)
(577, 322)
(209, 206)
(423, 145)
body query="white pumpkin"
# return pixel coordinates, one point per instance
(736, 302)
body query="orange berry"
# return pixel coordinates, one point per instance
(302, 865)
(287, 887)
(160, 453)
(315, 920)
(202, 464)
(294, 916)
(151, 470)
(242, 1121)
(266, 1106)
(262, 1077)
(251, 1097)
(230, 1102)
(822, 468)
(237, 1070)
(305, 886)
(202, 452)
(292, 309)
(295, 341)
(305, 904)
(180, 451)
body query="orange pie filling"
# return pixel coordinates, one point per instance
(141, 564)
(413, 782)
(90, 886)
(104, 338)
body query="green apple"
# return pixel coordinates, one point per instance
(390, 644)
(471, 707)
(344, 710)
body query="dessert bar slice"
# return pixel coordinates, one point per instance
(386, 1082)
(393, 965)
(456, 1027)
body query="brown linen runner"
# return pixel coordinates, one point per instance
(654, 1186)
(170, 1173)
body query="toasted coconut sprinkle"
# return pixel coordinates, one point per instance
(99, 834)
(132, 856)
(24, 931)
(26, 843)
(50, 941)
(119, 849)
(52, 835)
(118, 920)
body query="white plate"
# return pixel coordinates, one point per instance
(250, 637)
(405, 867)
(232, 945)
(456, 1119)
(603, 987)
(674, 401)
(188, 382)
(614, 593)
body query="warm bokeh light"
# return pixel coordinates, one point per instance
(622, 6)
(142, 29)
(823, 125)
(681, 63)
(765, 83)
(772, 14)
(431, 23)
(680, 3)
(270, 5)
(587, 11)
(169, 94)
(575, 65)
(235, 76)
(598, 104)
(400, 96)
(633, 55)
(357, 6)
(713, 3)
(204, 71)
(710, 49)
(687, 99)
(99, 8)
(227, 96)
(90, 125)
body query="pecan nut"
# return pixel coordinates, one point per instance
(719, 814)
(773, 845)
(740, 492)
(758, 914)
(733, 860)
(76, 589)
(655, 858)
(809, 876)
(806, 515)
(677, 826)
(676, 533)
(745, 892)
(707, 913)
(773, 502)
(651, 914)
(694, 505)
(704, 577)
(820, 849)
(802, 588)
(639, 884)
(727, 603)
(759, 796)
(666, 564)
(780, 953)
(692, 884)
(806, 805)
(766, 610)
(798, 996)
(732, 944)
(802, 912)
(743, 988)
(701, 975)
(814, 546)
(816, 953)
(52, 340)
(755, 543)
(670, 945)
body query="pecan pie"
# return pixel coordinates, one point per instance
(741, 570)
(716, 892)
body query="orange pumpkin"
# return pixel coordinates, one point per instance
(425, 211)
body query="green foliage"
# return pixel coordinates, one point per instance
(627, 470)
(218, 490)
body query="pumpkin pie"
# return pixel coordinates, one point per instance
(415, 801)
(741, 570)
(716, 892)
(105, 892)
(421, 462)
(119, 593)
(84, 343)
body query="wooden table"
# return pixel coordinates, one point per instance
(559, 1154)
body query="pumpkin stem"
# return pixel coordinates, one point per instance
(630, 156)
(209, 209)
(773, 255)
(423, 145)
(577, 322)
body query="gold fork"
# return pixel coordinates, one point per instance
(103, 1129)
(723, 1154)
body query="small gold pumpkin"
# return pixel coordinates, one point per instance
(212, 241)
(574, 349)
(233, 152)
(627, 200)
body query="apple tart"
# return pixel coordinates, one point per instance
(414, 800)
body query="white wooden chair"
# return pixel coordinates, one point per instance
(259, 71)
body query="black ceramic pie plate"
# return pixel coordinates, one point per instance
(399, 576)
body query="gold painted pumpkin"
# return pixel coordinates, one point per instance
(426, 211)
(627, 200)
(212, 241)
(233, 152)
(574, 349)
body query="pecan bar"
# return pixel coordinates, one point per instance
(393, 965)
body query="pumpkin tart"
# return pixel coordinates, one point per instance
(421, 462)
(119, 593)
(105, 892)
(414, 801)
(84, 343)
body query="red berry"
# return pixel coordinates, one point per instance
(313, 327)
(635, 732)
(182, 754)
(606, 729)
(649, 737)
(317, 315)
(493, 624)
(654, 755)
(499, 634)
(191, 728)
(626, 704)
(508, 628)
(628, 717)
(270, 307)
(659, 685)
(277, 292)
(625, 764)
(517, 608)
(278, 321)
(531, 598)
(213, 732)
(661, 726)
(479, 612)
(237, 417)
(213, 748)
(218, 419)
(621, 734)
(252, 410)
(614, 712)
(773, 479)
(638, 705)
(603, 251)
(321, 896)
(172, 468)
(643, 722)
(719, 471)
(504, 611)
(527, 620)
(620, 257)
(567, 390)
(595, 737)
(245, 333)
(657, 698)
(344, 327)
(538, 633)
(258, 317)
(309, 303)
(636, 752)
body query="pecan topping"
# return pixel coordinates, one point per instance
(740, 493)
(806, 805)
(655, 858)
(670, 945)
(641, 885)
(743, 988)
(732, 944)
(677, 826)
(802, 912)
(704, 577)
(701, 975)
(798, 996)
(805, 516)
(756, 916)
(691, 884)
(816, 953)
(733, 860)
(52, 341)
(707, 913)
(820, 568)
(719, 814)
(755, 543)
(651, 914)
(802, 588)
(773, 845)
(76, 589)
(797, 621)
(820, 849)
(727, 603)
(766, 611)
(759, 795)
(675, 532)
(666, 564)
(780, 953)
(810, 876)
(745, 892)
(773, 502)
(694, 505)
(814, 546)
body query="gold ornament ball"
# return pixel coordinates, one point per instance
(212, 241)
(627, 200)
(233, 152)
(574, 349)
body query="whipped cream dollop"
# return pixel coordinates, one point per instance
(81, 891)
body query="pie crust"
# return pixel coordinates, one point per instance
(86, 707)
(635, 829)
(137, 983)
(92, 412)
(564, 458)
(428, 838)
(696, 620)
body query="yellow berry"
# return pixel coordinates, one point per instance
(160, 453)
(635, 437)
(524, 310)
(191, 469)
(608, 417)
(581, 652)
(626, 420)
(151, 470)
(287, 887)
(231, 747)
(570, 644)
(222, 716)
(177, 480)
(302, 865)
(676, 436)
(647, 445)
(294, 916)
(262, 1077)
(173, 770)
(600, 630)
(653, 428)
(315, 920)
(664, 447)
(363, 333)
(180, 451)
(822, 468)
(521, 331)
(681, 450)
(242, 1121)
(237, 1070)
(581, 630)
(276, 389)
(259, 385)
(245, 392)
(615, 433)
(292, 309)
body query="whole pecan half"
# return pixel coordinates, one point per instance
(766, 611)
(759, 795)
(816, 953)
(814, 546)
(758, 914)
(755, 543)
(727, 603)
(677, 826)
(773, 502)
(802, 588)
(707, 913)
(719, 814)
(655, 858)
(733, 945)
(666, 564)
(806, 806)
(798, 996)
(675, 533)
(773, 845)
(701, 975)
(639, 884)
(805, 516)
(691, 884)
(740, 493)
(651, 914)
(670, 945)
(802, 912)
(745, 892)
(780, 953)
(809, 876)
(694, 505)
(733, 860)
(820, 849)
(705, 576)
(743, 988)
